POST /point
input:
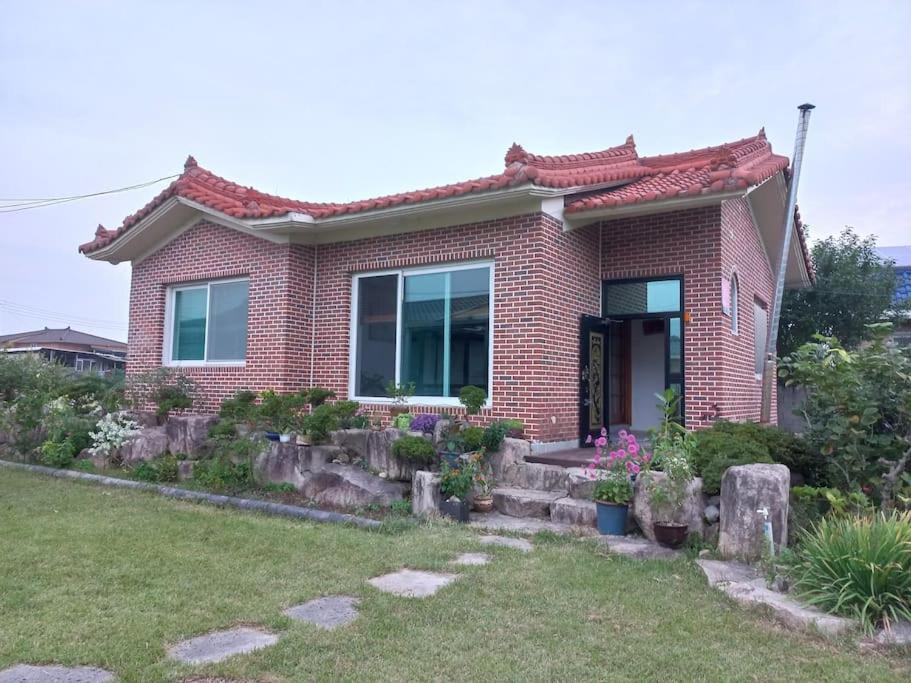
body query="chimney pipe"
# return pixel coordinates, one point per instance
(768, 373)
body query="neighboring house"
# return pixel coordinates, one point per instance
(571, 288)
(78, 350)
(901, 256)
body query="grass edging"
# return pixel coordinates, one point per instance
(276, 509)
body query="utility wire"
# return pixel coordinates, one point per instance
(25, 203)
(55, 316)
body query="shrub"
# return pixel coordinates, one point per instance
(58, 453)
(167, 388)
(346, 415)
(320, 422)
(112, 431)
(494, 434)
(515, 429)
(425, 422)
(224, 429)
(782, 447)
(472, 438)
(160, 470)
(472, 398)
(858, 567)
(718, 449)
(615, 488)
(105, 392)
(458, 481)
(239, 408)
(27, 384)
(402, 421)
(401, 508)
(220, 474)
(414, 449)
(317, 396)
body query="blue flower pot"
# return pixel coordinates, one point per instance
(272, 436)
(611, 518)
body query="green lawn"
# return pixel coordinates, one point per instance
(99, 576)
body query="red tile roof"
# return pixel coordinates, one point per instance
(713, 169)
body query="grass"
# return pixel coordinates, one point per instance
(98, 576)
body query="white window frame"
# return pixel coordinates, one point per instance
(735, 308)
(168, 350)
(402, 273)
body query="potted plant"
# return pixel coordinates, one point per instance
(611, 494)
(455, 488)
(484, 483)
(402, 421)
(673, 445)
(399, 393)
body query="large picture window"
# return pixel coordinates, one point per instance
(207, 323)
(431, 327)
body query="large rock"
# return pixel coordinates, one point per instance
(517, 502)
(346, 486)
(581, 482)
(425, 493)
(188, 433)
(745, 489)
(439, 431)
(381, 459)
(352, 441)
(689, 513)
(150, 443)
(530, 475)
(505, 462)
(279, 463)
(574, 511)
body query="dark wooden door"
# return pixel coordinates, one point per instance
(594, 355)
(620, 374)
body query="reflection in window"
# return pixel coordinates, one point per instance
(631, 298)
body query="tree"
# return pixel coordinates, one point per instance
(854, 288)
(858, 410)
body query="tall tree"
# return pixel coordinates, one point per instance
(854, 287)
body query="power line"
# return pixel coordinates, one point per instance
(25, 203)
(20, 310)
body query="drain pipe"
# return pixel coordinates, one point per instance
(768, 374)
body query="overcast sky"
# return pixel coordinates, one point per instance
(338, 101)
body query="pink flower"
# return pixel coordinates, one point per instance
(632, 467)
(633, 448)
(589, 439)
(623, 434)
(604, 433)
(601, 442)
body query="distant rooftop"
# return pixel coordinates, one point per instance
(64, 335)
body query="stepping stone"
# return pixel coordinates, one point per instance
(507, 542)
(497, 522)
(328, 613)
(517, 502)
(638, 548)
(472, 559)
(219, 645)
(718, 571)
(786, 609)
(411, 583)
(25, 673)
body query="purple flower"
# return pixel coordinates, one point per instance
(425, 422)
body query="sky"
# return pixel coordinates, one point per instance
(345, 100)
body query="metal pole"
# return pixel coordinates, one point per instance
(768, 374)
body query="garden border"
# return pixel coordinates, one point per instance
(275, 509)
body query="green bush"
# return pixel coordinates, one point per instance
(414, 449)
(320, 422)
(717, 449)
(472, 398)
(403, 421)
(472, 438)
(167, 388)
(782, 447)
(221, 475)
(239, 408)
(161, 470)
(494, 434)
(858, 567)
(58, 453)
(223, 430)
(317, 396)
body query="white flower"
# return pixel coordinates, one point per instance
(113, 430)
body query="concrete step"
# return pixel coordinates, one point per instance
(574, 511)
(540, 477)
(517, 502)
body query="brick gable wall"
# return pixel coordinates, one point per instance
(279, 315)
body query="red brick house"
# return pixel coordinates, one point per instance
(571, 288)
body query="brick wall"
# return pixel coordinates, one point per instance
(743, 252)
(279, 315)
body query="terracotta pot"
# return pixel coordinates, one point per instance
(670, 534)
(483, 503)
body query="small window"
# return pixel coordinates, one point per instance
(760, 332)
(208, 323)
(735, 305)
(645, 296)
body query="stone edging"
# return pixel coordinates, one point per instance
(276, 509)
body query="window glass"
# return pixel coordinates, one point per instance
(760, 332)
(443, 332)
(376, 327)
(425, 319)
(630, 298)
(675, 363)
(735, 295)
(469, 314)
(227, 339)
(189, 331)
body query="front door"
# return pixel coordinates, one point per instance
(594, 355)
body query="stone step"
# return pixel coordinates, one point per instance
(525, 502)
(539, 477)
(574, 511)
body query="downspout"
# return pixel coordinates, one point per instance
(768, 374)
(313, 318)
